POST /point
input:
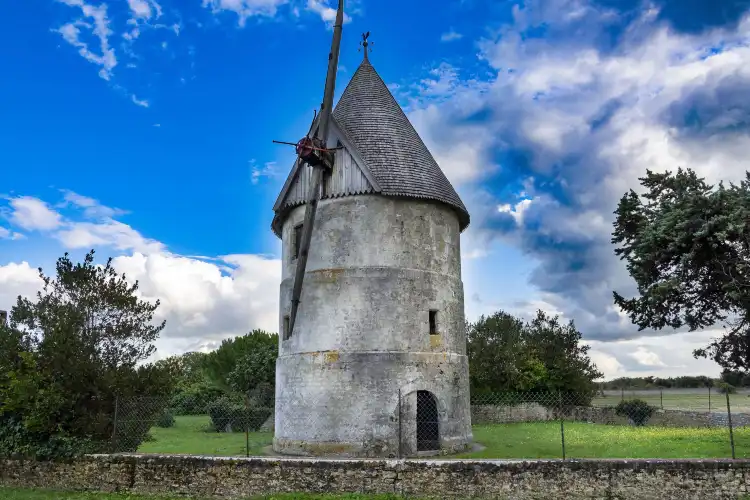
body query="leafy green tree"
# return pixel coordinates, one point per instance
(687, 246)
(506, 355)
(218, 365)
(256, 367)
(499, 358)
(186, 369)
(559, 348)
(68, 354)
(733, 377)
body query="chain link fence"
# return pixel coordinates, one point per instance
(618, 424)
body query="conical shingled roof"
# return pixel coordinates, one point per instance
(393, 151)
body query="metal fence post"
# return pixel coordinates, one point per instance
(661, 398)
(709, 399)
(562, 423)
(622, 394)
(114, 423)
(399, 423)
(729, 421)
(247, 425)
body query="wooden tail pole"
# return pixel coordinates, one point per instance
(314, 193)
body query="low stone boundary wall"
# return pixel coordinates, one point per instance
(517, 480)
(531, 412)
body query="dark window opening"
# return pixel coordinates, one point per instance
(324, 177)
(428, 426)
(297, 241)
(433, 322)
(287, 333)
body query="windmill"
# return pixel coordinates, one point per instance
(313, 151)
(380, 334)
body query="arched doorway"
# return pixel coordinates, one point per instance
(428, 426)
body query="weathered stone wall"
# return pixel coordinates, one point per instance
(531, 412)
(517, 480)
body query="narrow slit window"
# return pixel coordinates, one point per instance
(287, 333)
(324, 176)
(433, 322)
(297, 241)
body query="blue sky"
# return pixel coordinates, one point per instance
(143, 128)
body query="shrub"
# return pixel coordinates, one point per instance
(195, 399)
(637, 410)
(16, 441)
(165, 420)
(725, 388)
(65, 390)
(229, 415)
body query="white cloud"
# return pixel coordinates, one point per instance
(200, 300)
(110, 233)
(33, 214)
(145, 9)
(94, 20)
(326, 13)
(517, 210)
(17, 279)
(462, 151)
(607, 364)
(245, 8)
(574, 124)
(139, 102)
(92, 208)
(661, 355)
(646, 357)
(269, 169)
(204, 300)
(143, 14)
(450, 36)
(7, 234)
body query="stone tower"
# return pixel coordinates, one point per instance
(376, 364)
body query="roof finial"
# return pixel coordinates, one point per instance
(365, 44)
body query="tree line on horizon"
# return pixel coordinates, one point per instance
(733, 378)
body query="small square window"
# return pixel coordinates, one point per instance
(286, 333)
(433, 322)
(297, 241)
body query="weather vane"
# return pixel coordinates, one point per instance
(365, 44)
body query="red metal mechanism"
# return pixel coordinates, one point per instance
(311, 150)
(305, 147)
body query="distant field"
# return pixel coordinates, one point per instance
(681, 399)
(516, 440)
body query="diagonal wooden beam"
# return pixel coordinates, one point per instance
(314, 193)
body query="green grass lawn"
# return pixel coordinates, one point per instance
(542, 440)
(190, 436)
(523, 440)
(29, 494)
